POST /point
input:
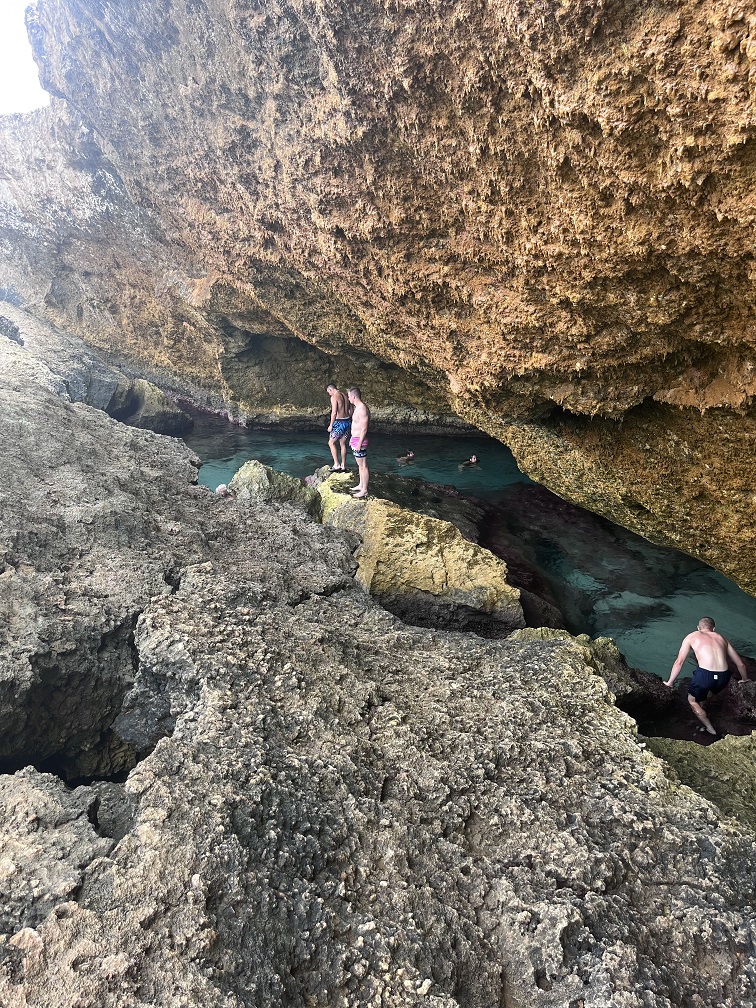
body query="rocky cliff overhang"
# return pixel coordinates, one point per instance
(542, 214)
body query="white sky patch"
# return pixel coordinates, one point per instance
(19, 82)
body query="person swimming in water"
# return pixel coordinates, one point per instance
(713, 654)
(407, 457)
(470, 463)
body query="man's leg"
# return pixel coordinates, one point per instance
(343, 444)
(332, 446)
(361, 489)
(700, 713)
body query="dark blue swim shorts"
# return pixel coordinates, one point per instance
(340, 429)
(705, 682)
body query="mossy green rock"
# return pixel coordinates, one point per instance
(724, 772)
(255, 481)
(421, 568)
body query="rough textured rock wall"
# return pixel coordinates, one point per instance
(335, 808)
(540, 211)
(421, 568)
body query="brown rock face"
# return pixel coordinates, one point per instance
(542, 215)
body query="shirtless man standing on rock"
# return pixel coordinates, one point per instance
(359, 441)
(339, 426)
(712, 651)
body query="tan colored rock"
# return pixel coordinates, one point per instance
(422, 568)
(335, 808)
(541, 212)
(724, 772)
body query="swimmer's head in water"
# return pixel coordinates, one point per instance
(706, 623)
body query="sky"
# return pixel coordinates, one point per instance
(19, 82)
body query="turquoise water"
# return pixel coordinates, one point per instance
(225, 447)
(606, 580)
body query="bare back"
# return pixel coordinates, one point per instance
(360, 420)
(339, 406)
(710, 649)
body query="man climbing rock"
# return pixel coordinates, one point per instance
(712, 673)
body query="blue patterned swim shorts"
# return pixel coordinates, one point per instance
(340, 429)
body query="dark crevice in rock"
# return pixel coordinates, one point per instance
(71, 708)
(92, 815)
(423, 610)
(10, 330)
(172, 578)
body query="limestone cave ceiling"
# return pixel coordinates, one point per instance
(543, 213)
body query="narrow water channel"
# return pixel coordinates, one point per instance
(607, 581)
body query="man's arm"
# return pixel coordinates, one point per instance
(735, 658)
(680, 660)
(334, 402)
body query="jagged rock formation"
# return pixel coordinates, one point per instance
(78, 374)
(331, 807)
(724, 772)
(421, 568)
(258, 482)
(541, 213)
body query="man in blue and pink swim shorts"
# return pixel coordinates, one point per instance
(359, 441)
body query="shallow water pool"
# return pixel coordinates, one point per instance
(225, 447)
(607, 581)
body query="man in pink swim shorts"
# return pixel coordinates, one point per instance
(358, 442)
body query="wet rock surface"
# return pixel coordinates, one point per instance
(332, 807)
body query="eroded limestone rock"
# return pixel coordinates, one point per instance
(336, 808)
(46, 842)
(140, 404)
(540, 213)
(423, 569)
(724, 772)
(258, 482)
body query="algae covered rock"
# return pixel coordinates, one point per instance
(423, 569)
(724, 772)
(255, 481)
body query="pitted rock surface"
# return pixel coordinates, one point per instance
(336, 808)
(535, 217)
